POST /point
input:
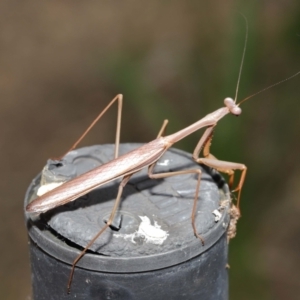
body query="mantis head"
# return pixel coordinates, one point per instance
(232, 107)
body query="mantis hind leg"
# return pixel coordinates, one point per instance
(118, 98)
(108, 223)
(175, 173)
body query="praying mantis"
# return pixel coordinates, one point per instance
(147, 156)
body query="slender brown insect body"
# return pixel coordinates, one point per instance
(81, 185)
(124, 165)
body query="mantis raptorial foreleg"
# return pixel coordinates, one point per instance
(220, 165)
(207, 154)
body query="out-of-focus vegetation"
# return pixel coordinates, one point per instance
(62, 61)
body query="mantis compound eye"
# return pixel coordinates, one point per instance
(236, 110)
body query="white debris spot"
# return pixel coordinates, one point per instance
(48, 187)
(164, 162)
(153, 234)
(217, 215)
(150, 233)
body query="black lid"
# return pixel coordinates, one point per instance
(154, 216)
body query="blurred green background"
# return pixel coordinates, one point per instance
(62, 61)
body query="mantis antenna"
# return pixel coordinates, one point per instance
(241, 67)
(277, 83)
(243, 56)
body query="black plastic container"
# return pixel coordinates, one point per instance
(151, 251)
